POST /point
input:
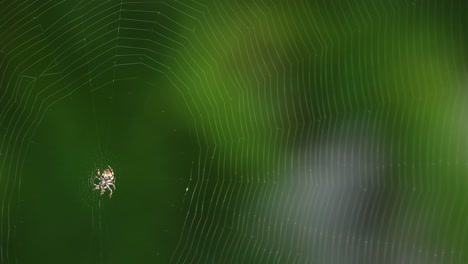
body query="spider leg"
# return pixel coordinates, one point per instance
(96, 187)
(110, 194)
(103, 190)
(112, 185)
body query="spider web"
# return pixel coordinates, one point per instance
(239, 131)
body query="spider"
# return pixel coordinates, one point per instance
(106, 179)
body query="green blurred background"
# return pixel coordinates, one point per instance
(239, 131)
